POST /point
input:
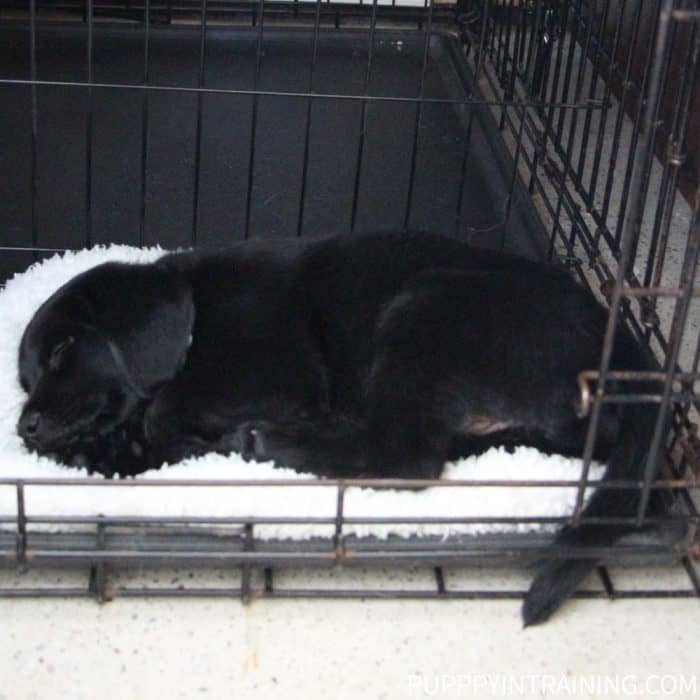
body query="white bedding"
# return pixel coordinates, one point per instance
(25, 292)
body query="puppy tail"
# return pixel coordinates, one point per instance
(558, 579)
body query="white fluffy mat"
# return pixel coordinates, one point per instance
(25, 292)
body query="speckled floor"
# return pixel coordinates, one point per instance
(340, 649)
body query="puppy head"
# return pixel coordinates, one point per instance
(98, 346)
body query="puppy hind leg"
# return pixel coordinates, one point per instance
(400, 444)
(404, 437)
(411, 423)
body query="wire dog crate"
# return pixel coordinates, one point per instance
(559, 129)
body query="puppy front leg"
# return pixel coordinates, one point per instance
(178, 424)
(334, 449)
(121, 452)
(163, 429)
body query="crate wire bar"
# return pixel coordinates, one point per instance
(597, 141)
(230, 541)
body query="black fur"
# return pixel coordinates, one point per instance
(375, 356)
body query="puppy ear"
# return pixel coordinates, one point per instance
(146, 313)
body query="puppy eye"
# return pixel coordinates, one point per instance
(58, 352)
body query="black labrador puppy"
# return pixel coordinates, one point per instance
(374, 356)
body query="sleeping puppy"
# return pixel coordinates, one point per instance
(372, 356)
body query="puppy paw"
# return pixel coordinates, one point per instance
(79, 460)
(248, 440)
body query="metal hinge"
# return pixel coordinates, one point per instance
(606, 289)
(551, 31)
(690, 445)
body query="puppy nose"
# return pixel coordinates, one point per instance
(29, 424)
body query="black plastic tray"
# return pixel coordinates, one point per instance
(116, 132)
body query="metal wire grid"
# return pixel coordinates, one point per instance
(375, 14)
(103, 584)
(113, 543)
(532, 57)
(580, 226)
